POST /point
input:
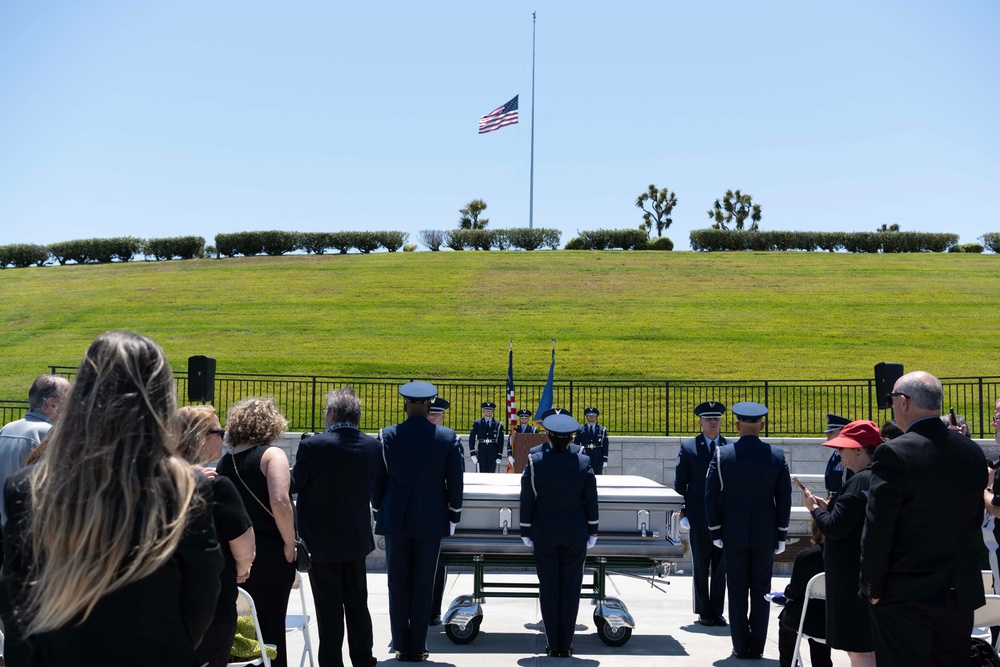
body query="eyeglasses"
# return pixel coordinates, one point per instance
(221, 432)
(893, 394)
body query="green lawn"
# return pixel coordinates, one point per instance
(614, 314)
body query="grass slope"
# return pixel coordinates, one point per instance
(614, 314)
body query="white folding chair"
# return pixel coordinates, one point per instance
(300, 622)
(246, 607)
(988, 581)
(815, 590)
(988, 615)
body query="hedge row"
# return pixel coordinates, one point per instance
(991, 241)
(278, 242)
(871, 242)
(524, 238)
(85, 251)
(603, 239)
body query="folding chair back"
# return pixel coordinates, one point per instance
(815, 590)
(300, 622)
(246, 607)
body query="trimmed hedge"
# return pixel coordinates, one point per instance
(527, 238)
(603, 239)
(967, 247)
(991, 241)
(864, 242)
(102, 251)
(177, 247)
(471, 239)
(660, 243)
(433, 238)
(272, 242)
(576, 243)
(22, 255)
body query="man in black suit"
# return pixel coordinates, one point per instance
(919, 549)
(707, 561)
(486, 440)
(748, 503)
(334, 475)
(418, 493)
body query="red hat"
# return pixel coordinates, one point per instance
(862, 433)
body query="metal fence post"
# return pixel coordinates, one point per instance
(870, 414)
(666, 406)
(312, 417)
(570, 397)
(982, 416)
(767, 422)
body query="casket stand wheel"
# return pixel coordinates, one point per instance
(464, 636)
(612, 636)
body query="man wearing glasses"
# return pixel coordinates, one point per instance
(919, 555)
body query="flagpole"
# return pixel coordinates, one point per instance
(531, 186)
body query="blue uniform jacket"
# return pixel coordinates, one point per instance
(748, 494)
(418, 487)
(546, 446)
(558, 498)
(594, 444)
(482, 430)
(689, 478)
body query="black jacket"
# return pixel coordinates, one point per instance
(922, 525)
(693, 458)
(334, 475)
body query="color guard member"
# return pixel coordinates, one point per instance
(748, 501)
(486, 440)
(524, 426)
(594, 439)
(546, 446)
(559, 521)
(707, 561)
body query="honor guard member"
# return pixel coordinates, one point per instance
(835, 474)
(418, 500)
(559, 521)
(748, 502)
(708, 564)
(486, 440)
(436, 416)
(524, 427)
(546, 446)
(594, 439)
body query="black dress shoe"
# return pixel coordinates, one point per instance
(419, 657)
(435, 620)
(566, 653)
(402, 657)
(721, 621)
(742, 655)
(706, 620)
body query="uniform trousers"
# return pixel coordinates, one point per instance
(596, 455)
(410, 564)
(748, 573)
(340, 591)
(709, 574)
(909, 633)
(439, 579)
(269, 584)
(560, 577)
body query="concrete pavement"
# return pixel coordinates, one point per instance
(511, 633)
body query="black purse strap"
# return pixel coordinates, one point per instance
(264, 507)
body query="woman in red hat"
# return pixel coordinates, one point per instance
(848, 626)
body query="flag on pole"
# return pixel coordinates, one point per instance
(502, 116)
(546, 401)
(511, 401)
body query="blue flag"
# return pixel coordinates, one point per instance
(545, 403)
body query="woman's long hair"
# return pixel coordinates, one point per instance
(196, 421)
(110, 498)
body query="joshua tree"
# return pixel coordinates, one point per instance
(470, 215)
(734, 206)
(661, 204)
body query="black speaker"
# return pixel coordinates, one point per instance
(201, 378)
(886, 374)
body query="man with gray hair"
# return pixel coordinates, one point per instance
(45, 403)
(334, 475)
(920, 546)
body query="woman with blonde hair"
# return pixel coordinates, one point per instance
(201, 442)
(110, 549)
(262, 477)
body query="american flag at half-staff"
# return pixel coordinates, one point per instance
(502, 116)
(511, 401)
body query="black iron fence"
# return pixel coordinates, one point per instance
(628, 407)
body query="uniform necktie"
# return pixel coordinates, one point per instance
(711, 447)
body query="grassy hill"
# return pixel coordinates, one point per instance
(614, 314)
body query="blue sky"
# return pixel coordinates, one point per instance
(163, 119)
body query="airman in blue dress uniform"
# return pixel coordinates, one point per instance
(524, 426)
(546, 446)
(707, 562)
(436, 415)
(748, 501)
(559, 518)
(486, 440)
(835, 474)
(594, 439)
(418, 500)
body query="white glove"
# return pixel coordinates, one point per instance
(685, 524)
(780, 549)
(451, 528)
(498, 461)
(591, 541)
(717, 543)
(510, 459)
(474, 459)
(527, 541)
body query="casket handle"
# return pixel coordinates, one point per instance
(505, 517)
(642, 520)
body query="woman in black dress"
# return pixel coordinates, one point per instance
(559, 520)
(110, 552)
(808, 563)
(262, 476)
(848, 625)
(201, 442)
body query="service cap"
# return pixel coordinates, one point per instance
(418, 392)
(749, 412)
(561, 424)
(489, 405)
(591, 411)
(554, 411)
(524, 413)
(710, 409)
(833, 422)
(439, 404)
